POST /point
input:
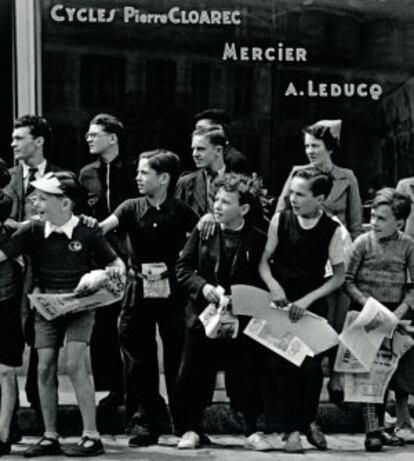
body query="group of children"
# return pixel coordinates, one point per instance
(291, 264)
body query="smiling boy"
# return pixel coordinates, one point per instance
(62, 250)
(299, 243)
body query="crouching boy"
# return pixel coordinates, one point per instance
(62, 250)
(230, 256)
(378, 268)
(300, 241)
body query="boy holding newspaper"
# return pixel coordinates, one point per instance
(378, 268)
(299, 243)
(63, 250)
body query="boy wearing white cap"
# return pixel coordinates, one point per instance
(62, 250)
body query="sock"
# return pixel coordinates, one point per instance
(94, 435)
(51, 435)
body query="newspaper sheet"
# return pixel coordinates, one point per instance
(287, 346)
(313, 330)
(51, 306)
(371, 387)
(155, 284)
(366, 333)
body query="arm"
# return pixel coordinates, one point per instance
(351, 287)
(3, 256)
(354, 208)
(278, 294)
(187, 274)
(283, 201)
(408, 301)
(298, 308)
(109, 224)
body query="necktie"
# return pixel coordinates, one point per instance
(211, 190)
(108, 194)
(32, 177)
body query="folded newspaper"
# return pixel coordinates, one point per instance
(51, 305)
(287, 346)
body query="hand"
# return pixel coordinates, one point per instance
(401, 311)
(89, 221)
(207, 226)
(90, 282)
(211, 294)
(115, 273)
(279, 299)
(296, 311)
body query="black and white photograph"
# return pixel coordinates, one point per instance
(207, 229)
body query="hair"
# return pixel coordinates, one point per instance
(39, 126)
(164, 161)
(6, 205)
(399, 203)
(217, 117)
(4, 174)
(214, 134)
(319, 183)
(71, 188)
(110, 124)
(323, 133)
(238, 183)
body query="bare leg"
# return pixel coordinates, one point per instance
(8, 399)
(85, 393)
(47, 378)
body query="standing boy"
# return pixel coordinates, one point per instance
(300, 241)
(62, 250)
(157, 225)
(230, 256)
(378, 268)
(11, 335)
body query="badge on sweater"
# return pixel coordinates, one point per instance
(75, 246)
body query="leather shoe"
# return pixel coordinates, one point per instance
(373, 441)
(143, 438)
(316, 437)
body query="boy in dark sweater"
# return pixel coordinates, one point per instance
(300, 241)
(63, 251)
(230, 256)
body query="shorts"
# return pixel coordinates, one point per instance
(11, 334)
(75, 327)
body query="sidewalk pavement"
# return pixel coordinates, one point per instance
(231, 448)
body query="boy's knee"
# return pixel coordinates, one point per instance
(6, 372)
(46, 369)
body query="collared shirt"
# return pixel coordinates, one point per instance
(157, 233)
(41, 168)
(66, 228)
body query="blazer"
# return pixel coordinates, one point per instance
(406, 187)
(15, 189)
(344, 201)
(192, 189)
(199, 263)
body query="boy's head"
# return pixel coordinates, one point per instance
(157, 169)
(217, 118)
(389, 211)
(208, 145)
(30, 135)
(56, 195)
(308, 190)
(6, 204)
(105, 132)
(233, 199)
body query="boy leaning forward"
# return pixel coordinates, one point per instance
(63, 251)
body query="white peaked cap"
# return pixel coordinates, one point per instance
(333, 125)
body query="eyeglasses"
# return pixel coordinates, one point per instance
(92, 136)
